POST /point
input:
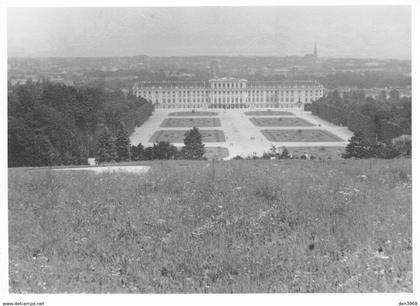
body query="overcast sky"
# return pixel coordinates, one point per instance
(360, 31)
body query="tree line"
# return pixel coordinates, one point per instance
(118, 148)
(53, 124)
(361, 80)
(379, 119)
(368, 79)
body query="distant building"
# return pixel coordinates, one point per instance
(311, 58)
(228, 93)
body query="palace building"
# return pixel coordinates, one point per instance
(229, 93)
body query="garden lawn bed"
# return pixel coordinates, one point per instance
(268, 113)
(186, 114)
(300, 136)
(280, 122)
(177, 136)
(216, 152)
(190, 122)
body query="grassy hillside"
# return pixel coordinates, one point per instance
(237, 226)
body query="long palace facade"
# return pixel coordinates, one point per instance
(228, 93)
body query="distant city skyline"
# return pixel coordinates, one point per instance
(339, 31)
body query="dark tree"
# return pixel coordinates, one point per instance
(29, 148)
(382, 150)
(148, 153)
(164, 150)
(194, 148)
(137, 152)
(105, 147)
(359, 147)
(122, 144)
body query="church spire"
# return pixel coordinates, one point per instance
(315, 51)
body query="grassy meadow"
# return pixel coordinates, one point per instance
(222, 227)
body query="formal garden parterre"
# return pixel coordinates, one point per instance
(191, 122)
(279, 121)
(216, 152)
(177, 136)
(300, 136)
(193, 113)
(268, 113)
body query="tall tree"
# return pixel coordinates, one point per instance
(122, 144)
(105, 147)
(194, 148)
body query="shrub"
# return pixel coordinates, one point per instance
(238, 157)
(359, 147)
(402, 144)
(164, 150)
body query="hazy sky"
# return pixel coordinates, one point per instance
(359, 31)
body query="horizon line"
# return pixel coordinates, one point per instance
(169, 56)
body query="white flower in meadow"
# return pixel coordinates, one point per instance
(363, 177)
(381, 256)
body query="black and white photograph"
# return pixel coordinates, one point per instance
(204, 151)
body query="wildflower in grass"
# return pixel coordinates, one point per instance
(362, 177)
(381, 256)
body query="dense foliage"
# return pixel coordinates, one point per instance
(193, 149)
(379, 118)
(54, 124)
(160, 150)
(361, 147)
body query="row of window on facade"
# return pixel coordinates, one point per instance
(229, 85)
(232, 100)
(265, 105)
(253, 92)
